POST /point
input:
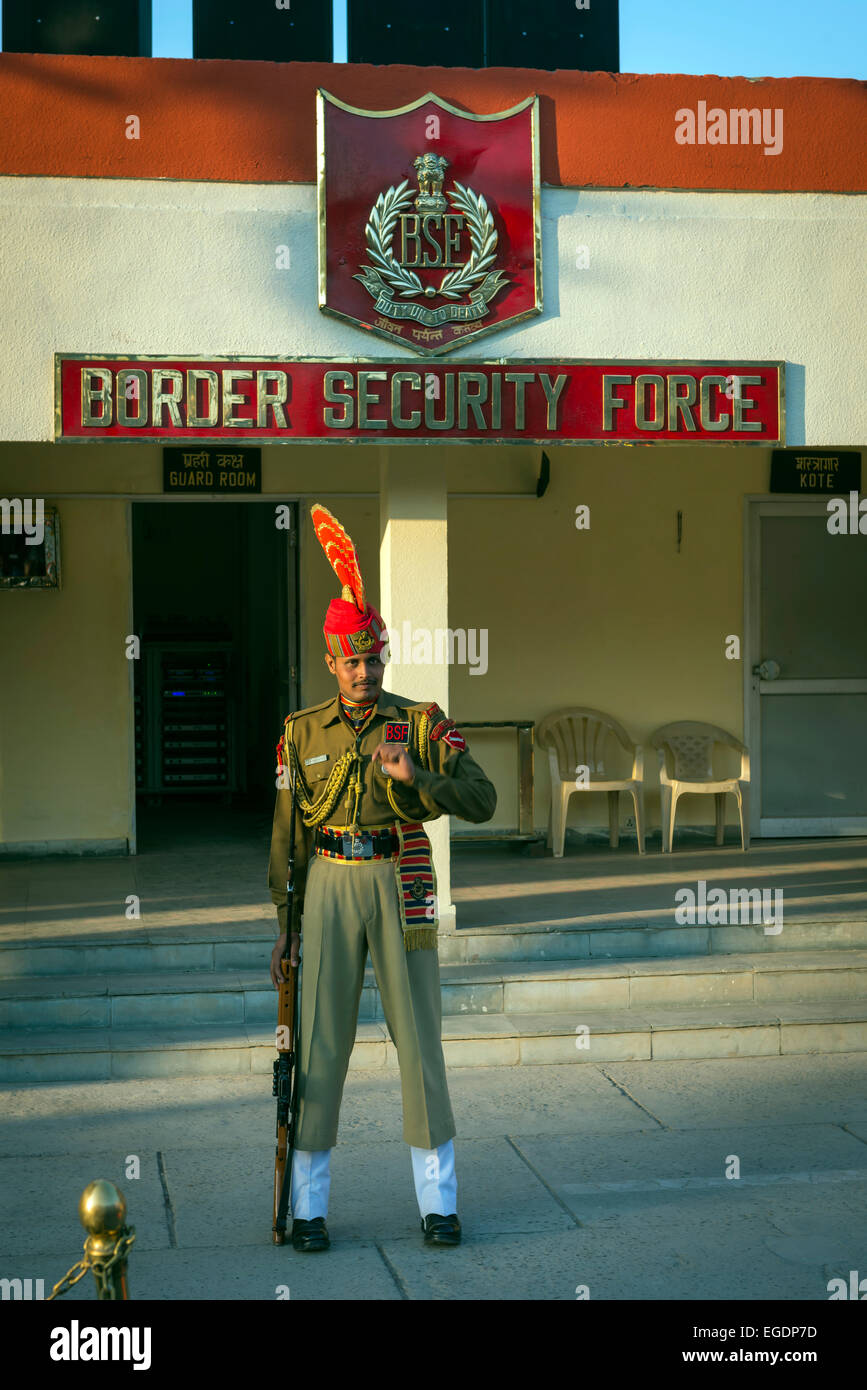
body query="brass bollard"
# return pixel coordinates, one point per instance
(101, 1210)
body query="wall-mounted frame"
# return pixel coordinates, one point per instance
(30, 546)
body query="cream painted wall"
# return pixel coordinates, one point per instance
(65, 716)
(168, 267)
(612, 617)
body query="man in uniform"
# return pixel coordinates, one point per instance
(370, 768)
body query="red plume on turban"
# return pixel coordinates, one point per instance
(352, 626)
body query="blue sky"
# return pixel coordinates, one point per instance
(753, 38)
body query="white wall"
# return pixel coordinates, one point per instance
(150, 267)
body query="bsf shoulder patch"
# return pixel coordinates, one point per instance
(396, 731)
(445, 729)
(455, 739)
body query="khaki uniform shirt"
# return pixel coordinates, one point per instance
(456, 786)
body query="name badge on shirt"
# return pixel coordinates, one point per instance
(322, 758)
(396, 731)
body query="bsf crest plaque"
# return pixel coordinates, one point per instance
(429, 223)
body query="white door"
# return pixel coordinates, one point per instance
(805, 671)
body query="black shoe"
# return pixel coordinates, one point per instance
(441, 1230)
(310, 1235)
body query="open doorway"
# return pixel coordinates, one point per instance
(215, 605)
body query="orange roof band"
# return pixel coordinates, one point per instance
(254, 122)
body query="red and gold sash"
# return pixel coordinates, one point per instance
(416, 887)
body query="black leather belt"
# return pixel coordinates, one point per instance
(360, 844)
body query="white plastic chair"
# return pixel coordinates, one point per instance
(686, 765)
(576, 738)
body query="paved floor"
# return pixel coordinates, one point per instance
(608, 1181)
(594, 884)
(203, 869)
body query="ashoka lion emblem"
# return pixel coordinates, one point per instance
(391, 278)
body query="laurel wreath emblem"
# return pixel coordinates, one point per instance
(483, 243)
(386, 276)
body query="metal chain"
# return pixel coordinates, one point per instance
(101, 1268)
(67, 1281)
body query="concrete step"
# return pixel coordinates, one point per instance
(139, 949)
(639, 939)
(583, 1035)
(235, 998)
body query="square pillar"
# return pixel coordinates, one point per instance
(413, 589)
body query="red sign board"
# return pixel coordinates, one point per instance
(286, 400)
(429, 220)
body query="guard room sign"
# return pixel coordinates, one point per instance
(535, 401)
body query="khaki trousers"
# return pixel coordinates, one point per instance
(350, 908)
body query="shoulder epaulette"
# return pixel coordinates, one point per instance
(417, 706)
(310, 709)
(437, 721)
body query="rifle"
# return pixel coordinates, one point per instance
(285, 1086)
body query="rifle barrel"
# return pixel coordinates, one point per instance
(285, 1086)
